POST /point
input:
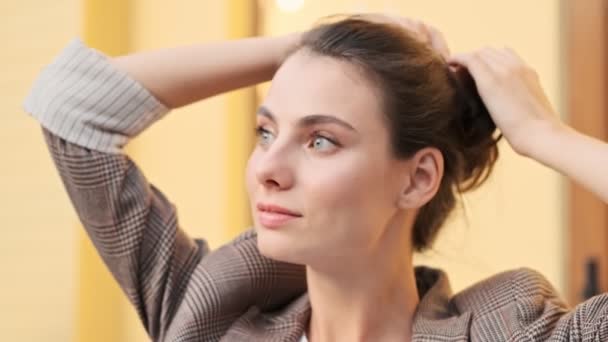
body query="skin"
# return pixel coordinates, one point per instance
(357, 204)
(347, 244)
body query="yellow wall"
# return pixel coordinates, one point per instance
(516, 218)
(98, 295)
(53, 281)
(38, 243)
(196, 154)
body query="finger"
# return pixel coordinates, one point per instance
(520, 65)
(510, 63)
(474, 63)
(429, 35)
(495, 57)
(420, 30)
(438, 42)
(498, 64)
(504, 59)
(513, 56)
(411, 26)
(404, 23)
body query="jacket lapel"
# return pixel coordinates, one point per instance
(436, 317)
(286, 325)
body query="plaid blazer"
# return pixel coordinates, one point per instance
(183, 291)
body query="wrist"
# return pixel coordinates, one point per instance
(288, 43)
(542, 137)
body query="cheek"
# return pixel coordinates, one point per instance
(349, 178)
(250, 177)
(335, 186)
(345, 193)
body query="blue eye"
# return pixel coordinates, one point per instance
(264, 136)
(318, 142)
(321, 142)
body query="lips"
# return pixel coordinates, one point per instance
(274, 216)
(271, 208)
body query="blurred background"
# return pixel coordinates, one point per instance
(53, 287)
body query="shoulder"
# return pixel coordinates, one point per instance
(507, 288)
(516, 302)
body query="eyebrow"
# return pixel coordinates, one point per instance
(309, 120)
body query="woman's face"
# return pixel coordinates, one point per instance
(323, 153)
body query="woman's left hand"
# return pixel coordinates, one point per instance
(512, 93)
(422, 31)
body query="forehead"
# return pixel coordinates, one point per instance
(310, 84)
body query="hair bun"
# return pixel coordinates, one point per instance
(475, 121)
(475, 129)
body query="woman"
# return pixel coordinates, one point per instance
(366, 136)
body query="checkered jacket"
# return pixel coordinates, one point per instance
(183, 291)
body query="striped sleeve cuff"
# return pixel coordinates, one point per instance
(83, 99)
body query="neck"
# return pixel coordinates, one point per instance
(371, 298)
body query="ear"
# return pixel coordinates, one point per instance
(425, 174)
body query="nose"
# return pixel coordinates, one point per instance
(274, 168)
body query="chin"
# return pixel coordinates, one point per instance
(277, 246)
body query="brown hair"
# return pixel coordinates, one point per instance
(426, 104)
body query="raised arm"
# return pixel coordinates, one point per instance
(578, 156)
(89, 107)
(513, 95)
(182, 75)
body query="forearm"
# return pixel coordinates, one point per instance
(578, 156)
(182, 75)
